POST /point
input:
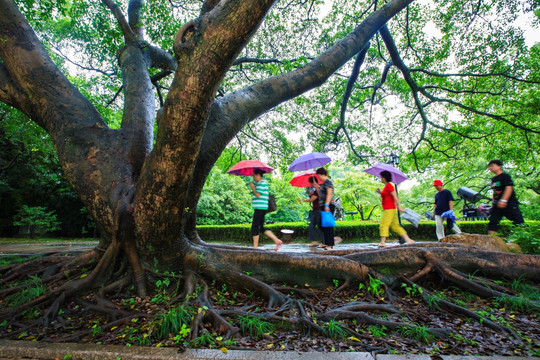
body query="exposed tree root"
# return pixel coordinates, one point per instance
(432, 300)
(267, 276)
(303, 292)
(77, 336)
(343, 286)
(109, 309)
(249, 284)
(463, 281)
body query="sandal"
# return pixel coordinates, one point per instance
(381, 246)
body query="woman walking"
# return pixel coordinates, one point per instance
(314, 229)
(259, 188)
(390, 205)
(326, 193)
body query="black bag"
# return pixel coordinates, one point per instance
(272, 206)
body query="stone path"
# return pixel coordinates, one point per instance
(27, 247)
(33, 350)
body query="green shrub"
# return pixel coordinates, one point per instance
(527, 237)
(358, 231)
(36, 217)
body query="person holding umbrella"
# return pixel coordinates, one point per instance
(259, 188)
(326, 193)
(314, 228)
(390, 205)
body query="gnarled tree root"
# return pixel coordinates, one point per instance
(430, 299)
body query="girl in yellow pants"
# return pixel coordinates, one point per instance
(390, 205)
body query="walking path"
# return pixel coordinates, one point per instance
(33, 350)
(28, 247)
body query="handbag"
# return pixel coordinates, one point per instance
(272, 205)
(412, 217)
(327, 219)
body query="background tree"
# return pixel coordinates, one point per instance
(31, 175)
(357, 193)
(143, 190)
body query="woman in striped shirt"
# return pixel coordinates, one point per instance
(259, 188)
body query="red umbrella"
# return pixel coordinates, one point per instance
(246, 167)
(302, 180)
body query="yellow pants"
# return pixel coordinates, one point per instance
(390, 220)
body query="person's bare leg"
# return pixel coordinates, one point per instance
(383, 241)
(408, 239)
(256, 241)
(274, 238)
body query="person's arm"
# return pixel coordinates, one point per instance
(451, 205)
(329, 194)
(396, 201)
(311, 199)
(503, 201)
(254, 189)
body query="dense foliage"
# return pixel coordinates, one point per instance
(30, 176)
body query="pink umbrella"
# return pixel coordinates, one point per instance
(302, 180)
(246, 167)
(397, 175)
(309, 161)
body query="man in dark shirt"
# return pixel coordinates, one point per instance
(444, 201)
(504, 199)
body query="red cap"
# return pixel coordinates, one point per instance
(437, 183)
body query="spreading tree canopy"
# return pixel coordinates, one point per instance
(167, 85)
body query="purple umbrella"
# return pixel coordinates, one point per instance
(397, 175)
(309, 161)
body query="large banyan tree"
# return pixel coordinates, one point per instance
(189, 86)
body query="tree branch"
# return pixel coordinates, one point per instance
(124, 26)
(442, 75)
(88, 68)
(231, 112)
(134, 16)
(52, 102)
(241, 107)
(208, 5)
(139, 104)
(348, 90)
(10, 93)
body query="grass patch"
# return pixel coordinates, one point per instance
(6, 260)
(254, 326)
(335, 330)
(172, 321)
(419, 333)
(33, 291)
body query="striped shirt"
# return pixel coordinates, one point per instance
(260, 202)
